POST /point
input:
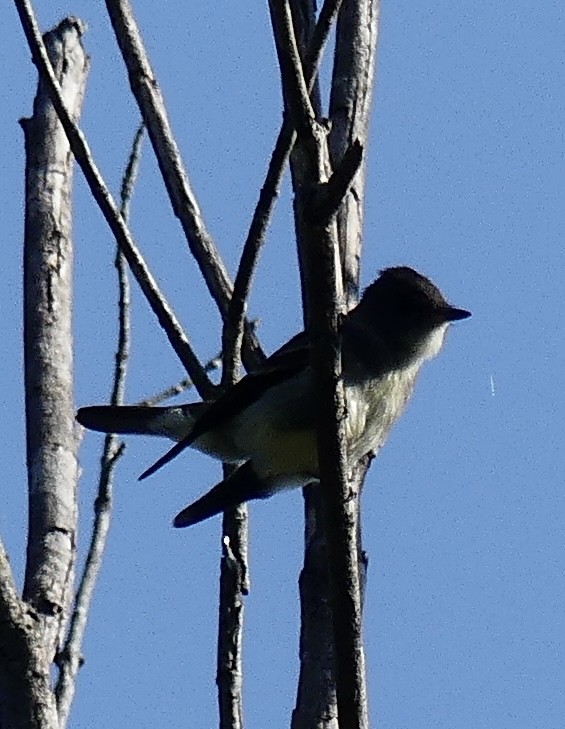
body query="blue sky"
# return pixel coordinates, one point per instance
(463, 510)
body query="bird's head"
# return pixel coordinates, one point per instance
(408, 311)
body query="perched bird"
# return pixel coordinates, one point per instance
(266, 422)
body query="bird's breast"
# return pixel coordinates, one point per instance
(372, 408)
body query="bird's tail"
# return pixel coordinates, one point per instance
(243, 485)
(171, 422)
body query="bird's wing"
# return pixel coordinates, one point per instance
(243, 485)
(286, 362)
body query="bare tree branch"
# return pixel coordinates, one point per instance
(332, 194)
(318, 243)
(31, 629)
(234, 585)
(69, 660)
(26, 699)
(351, 93)
(128, 183)
(295, 90)
(181, 386)
(101, 194)
(10, 605)
(234, 580)
(316, 704)
(185, 206)
(340, 508)
(48, 351)
(350, 105)
(234, 322)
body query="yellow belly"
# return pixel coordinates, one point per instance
(289, 454)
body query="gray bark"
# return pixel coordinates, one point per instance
(351, 93)
(31, 628)
(48, 258)
(352, 86)
(26, 699)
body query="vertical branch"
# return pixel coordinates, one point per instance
(339, 509)
(316, 704)
(319, 259)
(350, 105)
(234, 585)
(234, 575)
(70, 658)
(51, 442)
(352, 84)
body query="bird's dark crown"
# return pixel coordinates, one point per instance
(404, 308)
(403, 287)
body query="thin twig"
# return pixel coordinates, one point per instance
(101, 194)
(294, 85)
(130, 174)
(330, 197)
(181, 386)
(69, 660)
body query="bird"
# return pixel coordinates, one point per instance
(265, 424)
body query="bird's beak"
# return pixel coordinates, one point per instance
(450, 313)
